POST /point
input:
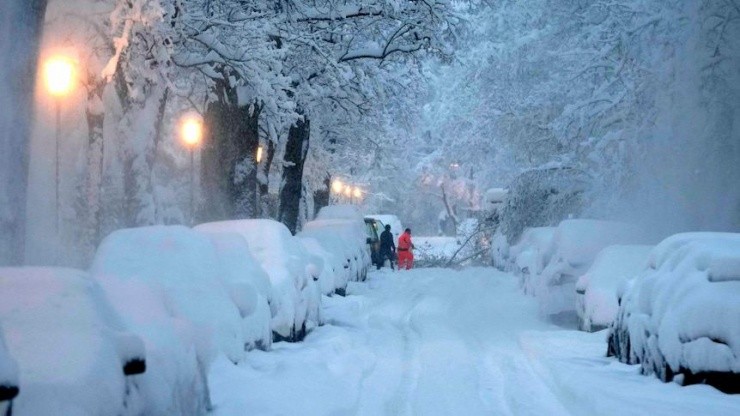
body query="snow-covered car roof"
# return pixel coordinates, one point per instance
(339, 212)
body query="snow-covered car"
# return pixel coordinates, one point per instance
(295, 300)
(73, 351)
(248, 285)
(389, 219)
(8, 377)
(596, 290)
(164, 282)
(347, 220)
(353, 236)
(680, 318)
(373, 228)
(575, 245)
(344, 255)
(325, 265)
(530, 255)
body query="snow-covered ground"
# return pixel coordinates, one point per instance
(441, 342)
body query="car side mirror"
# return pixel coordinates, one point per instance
(8, 392)
(134, 366)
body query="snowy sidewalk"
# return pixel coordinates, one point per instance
(440, 342)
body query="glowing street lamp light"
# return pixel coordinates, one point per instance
(357, 193)
(191, 134)
(59, 79)
(259, 154)
(337, 186)
(59, 75)
(348, 191)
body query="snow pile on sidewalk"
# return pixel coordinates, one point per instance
(71, 347)
(596, 290)
(680, 318)
(295, 301)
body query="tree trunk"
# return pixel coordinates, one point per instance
(266, 204)
(95, 115)
(296, 150)
(21, 24)
(322, 195)
(229, 169)
(139, 158)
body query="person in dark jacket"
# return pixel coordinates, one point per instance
(387, 247)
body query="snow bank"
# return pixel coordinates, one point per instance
(284, 260)
(596, 290)
(574, 247)
(680, 316)
(248, 286)
(72, 348)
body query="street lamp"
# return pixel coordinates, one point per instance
(348, 192)
(191, 133)
(357, 192)
(58, 76)
(259, 154)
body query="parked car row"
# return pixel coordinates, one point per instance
(138, 331)
(672, 308)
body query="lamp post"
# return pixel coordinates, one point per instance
(357, 193)
(191, 134)
(58, 75)
(336, 188)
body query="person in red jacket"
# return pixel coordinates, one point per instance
(404, 247)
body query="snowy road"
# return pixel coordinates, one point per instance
(439, 342)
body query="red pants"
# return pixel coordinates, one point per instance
(405, 259)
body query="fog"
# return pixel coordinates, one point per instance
(645, 104)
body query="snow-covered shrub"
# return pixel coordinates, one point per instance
(596, 290)
(530, 255)
(248, 285)
(164, 282)
(73, 351)
(574, 247)
(680, 318)
(295, 302)
(542, 197)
